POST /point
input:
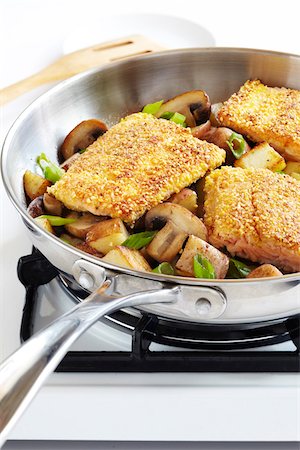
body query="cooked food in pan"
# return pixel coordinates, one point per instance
(137, 164)
(149, 193)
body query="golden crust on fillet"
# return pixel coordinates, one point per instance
(135, 165)
(265, 114)
(254, 213)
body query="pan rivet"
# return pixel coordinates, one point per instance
(203, 306)
(86, 280)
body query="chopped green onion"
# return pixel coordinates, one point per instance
(174, 117)
(57, 221)
(203, 268)
(237, 269)
(51, 171)
(152, 108)
(139, 240)
(164, 268)
(237, 145)
(82, 151)
(280, 171)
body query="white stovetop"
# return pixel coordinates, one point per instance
(32, 33)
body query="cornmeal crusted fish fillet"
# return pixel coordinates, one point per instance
(266, 114)
(135, 165)
(255, 214)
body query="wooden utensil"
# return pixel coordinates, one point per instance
(82, 60)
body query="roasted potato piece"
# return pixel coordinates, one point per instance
(186, 198)
(264, 271)
(70, 239)
(34, 184)
(127, 257)
(52, 205)
(262, 156)
(83, 223)
(106, 235)
(167, 243)
(86, 248)
(44, 223)
(194, 246)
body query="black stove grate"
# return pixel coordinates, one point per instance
(216, 342)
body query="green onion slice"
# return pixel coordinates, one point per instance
(139, 240)
(237, 144)
(203, 268)
(237, 269)
(51, 171)
(57, 221)
(152, 108)
(164, 268)
(82, 150)
(174, 117)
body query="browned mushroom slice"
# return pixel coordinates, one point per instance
(201, 130)
(83, 224)
(82, 136)
(36, 207)
(68, 163)
(180, 216)
(186, 198)
(52, 205)
(215, 108)
(195, 246)
(194, 105)
(220, 137)
(264, 271)
(167, 243)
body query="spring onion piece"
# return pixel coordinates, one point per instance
(174, 117)
(51, 171)
(139, 240)
(203, 268)
(152, 108)
(57, 221)
(280, 171)
(164, 268)
(237, 269)
(237, 144)
(82, 150)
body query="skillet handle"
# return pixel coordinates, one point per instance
(24, 372)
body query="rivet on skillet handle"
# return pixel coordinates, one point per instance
(201, 302)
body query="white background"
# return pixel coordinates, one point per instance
(32, 33)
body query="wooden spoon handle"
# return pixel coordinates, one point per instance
(21, 87)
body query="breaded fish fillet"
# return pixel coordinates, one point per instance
(255, 214)
(265, 114)
(135, 165)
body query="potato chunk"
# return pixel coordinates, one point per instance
(106, 235)
(186, 198)
(34, 184)
(127, 257)
(44, 223)
(265, 270)
(195, 246)
(262, 156)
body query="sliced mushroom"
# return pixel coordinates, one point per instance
(167, 243)
(52, 205)
(69, 162)
(186, 198)
(264, 271)
(36, 207)
(195, 246)
(82, 136)
(201, 130)
(180, 216)
(194, 105)
(215, 108)
(83, 224)
(220, 136)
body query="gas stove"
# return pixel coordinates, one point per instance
(173, 380)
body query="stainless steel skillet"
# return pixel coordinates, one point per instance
(109, 94)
